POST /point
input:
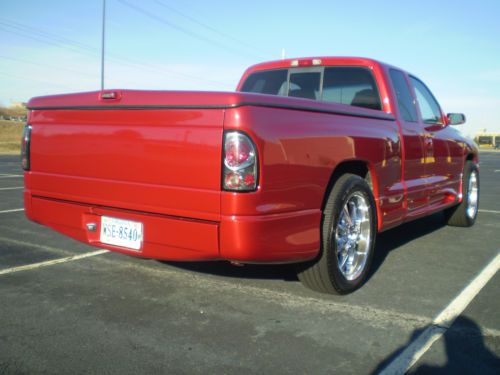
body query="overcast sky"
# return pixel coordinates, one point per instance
(53, 46)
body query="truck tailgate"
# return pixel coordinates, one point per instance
(157, 160)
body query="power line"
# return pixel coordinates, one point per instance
(22, 78)
(44, 34)
(179, 28)
(17, 59)
(32, 37)
(66, 43)
(208, 27)
(75, 72)
(62, 42)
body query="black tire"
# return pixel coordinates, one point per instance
(458, 216)
(324, 273)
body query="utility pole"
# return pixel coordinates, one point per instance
(103, 41)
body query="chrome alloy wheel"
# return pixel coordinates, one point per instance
(353, 236)
(472, 195)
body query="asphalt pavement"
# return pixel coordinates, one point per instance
(65, 308)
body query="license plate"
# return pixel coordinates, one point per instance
(119, 232)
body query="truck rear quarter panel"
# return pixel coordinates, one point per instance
(299, 151)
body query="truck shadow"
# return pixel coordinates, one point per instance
(284, 272)
(386, 242)
(397, 237)
(465, 352)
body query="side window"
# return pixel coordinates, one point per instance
(271, 82)
(429, 107)
(352, 86)
(305, 85)
(403, 95)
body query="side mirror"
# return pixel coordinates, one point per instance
(456, 118)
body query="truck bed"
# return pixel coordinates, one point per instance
(155, 157)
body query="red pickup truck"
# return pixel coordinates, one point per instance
(305, 163)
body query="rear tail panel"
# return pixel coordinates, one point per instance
(165, 161)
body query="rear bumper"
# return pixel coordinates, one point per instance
(284, 237)
(288, 237)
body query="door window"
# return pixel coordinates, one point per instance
(429, 107)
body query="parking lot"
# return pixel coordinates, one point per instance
(70, 308)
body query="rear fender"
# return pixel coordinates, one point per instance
(361, 168)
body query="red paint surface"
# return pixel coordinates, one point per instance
(161, 165)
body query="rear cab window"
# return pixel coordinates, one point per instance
(305, 83)
(351, 85)
(354, 85)
(272, 82)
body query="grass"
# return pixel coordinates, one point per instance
(10, 137)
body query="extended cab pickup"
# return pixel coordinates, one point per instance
(305, 163)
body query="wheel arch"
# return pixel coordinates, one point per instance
(471, 157)
(359, 167)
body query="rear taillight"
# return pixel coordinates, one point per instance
(25, 147)
(240, 163)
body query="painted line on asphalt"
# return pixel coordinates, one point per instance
(443, 321)
(52, 262)
(14, 210)
(10, 175)
(13, 188)
(490, 211)
(49, 249)
(380, 318)
(488, 332)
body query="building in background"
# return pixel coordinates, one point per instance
(487, 140)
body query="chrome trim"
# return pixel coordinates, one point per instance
(91, 227)
(472, 195)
